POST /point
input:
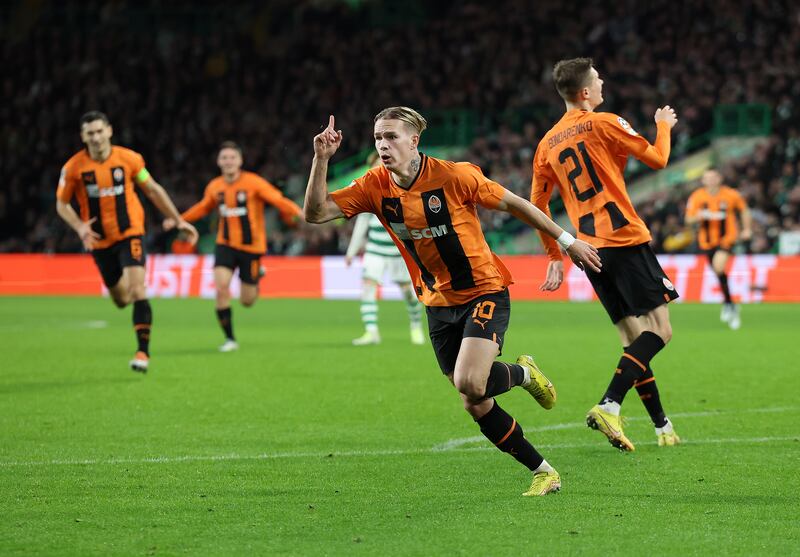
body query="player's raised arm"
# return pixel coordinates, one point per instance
(657, 155)
(580, 252)
(158, 195)
(319, 206)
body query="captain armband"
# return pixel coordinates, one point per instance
(142, 176)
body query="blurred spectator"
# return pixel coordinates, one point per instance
(177, 81)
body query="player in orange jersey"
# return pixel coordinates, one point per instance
(111, 222)
(584, 156)
(241, 237)
(713, 207)
(429, 206)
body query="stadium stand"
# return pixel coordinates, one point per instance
(269, 75)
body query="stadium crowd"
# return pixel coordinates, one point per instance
(268, 75)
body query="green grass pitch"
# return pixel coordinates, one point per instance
(300, 444)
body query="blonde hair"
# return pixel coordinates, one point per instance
(405, 114)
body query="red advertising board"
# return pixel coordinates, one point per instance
(753, 278)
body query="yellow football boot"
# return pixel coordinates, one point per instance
(668, 439)
(540, 386)
(611, 426)
(544, 483)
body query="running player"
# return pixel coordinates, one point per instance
(111, 221)
(380, 256)
(713, 207)
(241, 237)
(429, 207)
(584, 155)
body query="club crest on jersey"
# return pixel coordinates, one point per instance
(626, 126)
(668, 284)
(434, 204)
(241, 197)
(118, 174)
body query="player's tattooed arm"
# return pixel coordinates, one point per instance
(583, 254)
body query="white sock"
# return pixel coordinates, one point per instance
(544, 467)
(666, 429)
(611, 407)
(526, 380)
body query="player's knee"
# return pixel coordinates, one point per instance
(665, 332)
(120, 301)
(248, 302)
(471, 389)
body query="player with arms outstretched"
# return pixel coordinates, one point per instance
(430, 208)
(240, 197)
(584, 156)
(102, 178)
(713, 208)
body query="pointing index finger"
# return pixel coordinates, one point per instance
(331, 122)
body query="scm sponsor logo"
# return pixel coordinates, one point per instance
(431, 232)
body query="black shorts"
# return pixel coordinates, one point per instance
(111, 260)
(484, 317)
(632, 282)
(249, 264)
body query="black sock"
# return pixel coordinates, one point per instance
(632, 365)
(225, 318)
(502, 377)
(142, 321)
(506, 434)
(723, 284)
(648, 392)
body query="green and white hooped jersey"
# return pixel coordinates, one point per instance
(378, 241)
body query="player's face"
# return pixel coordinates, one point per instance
(396, 144)
(229, 161)
(711, 179)
(96, 135)
(595, 88)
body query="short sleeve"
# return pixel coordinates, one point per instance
(66, 184)
(355, 198)
(478, 188)
(622, 134)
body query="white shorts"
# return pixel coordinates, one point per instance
(376, 266)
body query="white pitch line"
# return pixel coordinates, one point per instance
(456, 443)
(388, 452)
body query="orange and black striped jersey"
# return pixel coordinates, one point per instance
(435, 224)
(717, 212)
(105, 191)
(584, 155)
(241, 210)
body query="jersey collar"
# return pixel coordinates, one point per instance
(423, 163)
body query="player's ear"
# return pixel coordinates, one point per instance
(110, 131)
(414, 141)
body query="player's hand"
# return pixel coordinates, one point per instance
(327, 142)
(747, 235)
(348, 260)
(168, 224)
(555, 276)
(189, 229)
(585, 256)
(666, 114)
(87, 235)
